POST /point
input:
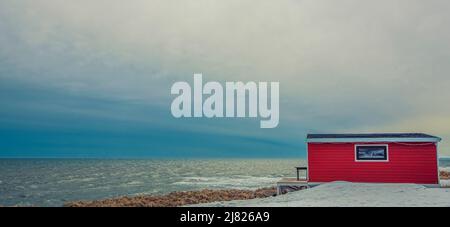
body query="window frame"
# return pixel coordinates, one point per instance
(371, 160)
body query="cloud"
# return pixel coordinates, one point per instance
(342, 65)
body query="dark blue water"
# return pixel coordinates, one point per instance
(52, 182)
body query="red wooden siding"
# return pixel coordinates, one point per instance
(408, 163)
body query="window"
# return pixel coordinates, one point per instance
(371, 153)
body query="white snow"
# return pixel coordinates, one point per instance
(445, 183)
(345, 194)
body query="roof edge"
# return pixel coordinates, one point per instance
(374, 140)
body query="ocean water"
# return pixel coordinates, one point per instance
(53, 182)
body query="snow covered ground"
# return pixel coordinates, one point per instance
(344, 194)
(445, 183)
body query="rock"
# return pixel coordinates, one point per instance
(175, 199)
(445, 175)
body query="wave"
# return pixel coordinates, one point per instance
(76, 180)
(234, 182)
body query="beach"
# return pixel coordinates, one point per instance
(175, 199)
(152, 183)
(333, 194)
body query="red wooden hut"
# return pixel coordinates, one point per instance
(373, 158)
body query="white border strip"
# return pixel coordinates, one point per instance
(371, 140)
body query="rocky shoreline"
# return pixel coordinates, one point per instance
(184, 198)
(175, 199)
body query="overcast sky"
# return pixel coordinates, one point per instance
(92, 77)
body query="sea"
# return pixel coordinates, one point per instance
(54, 182)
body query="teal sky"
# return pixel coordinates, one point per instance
(92, 78)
